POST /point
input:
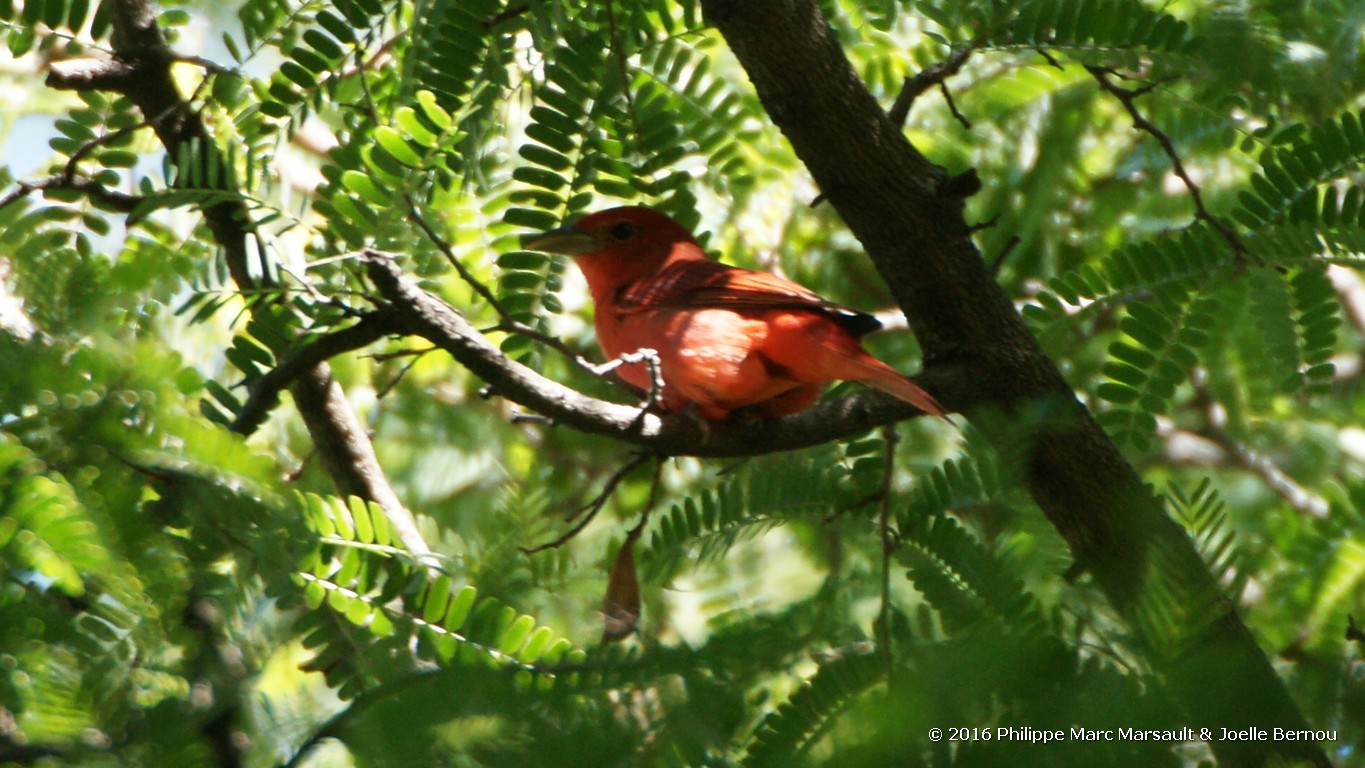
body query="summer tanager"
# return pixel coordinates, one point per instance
(727, 338)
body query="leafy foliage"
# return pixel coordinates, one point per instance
(1205, 515)
(790, 728)
(171, 591)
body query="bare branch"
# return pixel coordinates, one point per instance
(952, 106)
(1295, 495)
(999, 260)
(91, 75)
(1353, 631)
(449, 253)
(1215, 431)
(882, 627)
(916, 85)
(69, 179)
(510, 12)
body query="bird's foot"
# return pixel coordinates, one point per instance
(652, 361)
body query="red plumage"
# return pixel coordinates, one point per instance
(727, 338)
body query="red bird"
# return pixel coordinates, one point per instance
(727, 338)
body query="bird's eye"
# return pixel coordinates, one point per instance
(622, 230)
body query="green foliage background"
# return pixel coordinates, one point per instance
(172, 593)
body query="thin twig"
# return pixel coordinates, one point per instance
(416, 354)
(654, 485)
(1215, 431)
(68, 178)
(90, 146)
(508, 325)
(952, 106)
(1051, 60)
(1353, 631)
(372, 63)
(521, 417)
(981, 226)
(510, 12)
(999, 261)
(1295, 495)
(318, 296)
(590, 511)
(449, 253)
(1128, 98)
(207, 65)
(915, 85)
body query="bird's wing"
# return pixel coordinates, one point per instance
(696, 284)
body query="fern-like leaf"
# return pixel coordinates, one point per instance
(1204, 515)
(964, 581)
(786, 733)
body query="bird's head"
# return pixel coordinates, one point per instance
(619, 245)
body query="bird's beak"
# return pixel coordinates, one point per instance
(566, 240)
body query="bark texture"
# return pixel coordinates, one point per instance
(900, 207)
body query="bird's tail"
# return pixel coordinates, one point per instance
(836, 354)
(889, 380)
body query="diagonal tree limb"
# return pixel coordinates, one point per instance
(894, 200)
(141, 70)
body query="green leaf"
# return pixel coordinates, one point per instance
(459, 608)
(397, 146)
(364, 185)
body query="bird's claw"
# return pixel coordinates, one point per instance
(650, 357)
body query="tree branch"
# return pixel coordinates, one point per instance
(102, 196)
(1213, 446)
(893, 200)
(589, 512)
(934, 74)
(265, 391)
(915, 85)
(141, 70)
(415, 311)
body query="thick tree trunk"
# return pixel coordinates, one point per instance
(911, 223)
